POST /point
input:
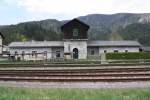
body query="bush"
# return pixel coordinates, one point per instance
(126, 56)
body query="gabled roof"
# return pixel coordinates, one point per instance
(113, 43)
(37, 44)
(89, 44)
(74, 20)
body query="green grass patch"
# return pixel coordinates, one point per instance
(7, 93)
(128, 56)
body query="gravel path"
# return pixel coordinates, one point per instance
(75, 85)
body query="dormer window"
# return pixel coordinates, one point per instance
(75, 32)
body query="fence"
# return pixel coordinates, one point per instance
(58, 57)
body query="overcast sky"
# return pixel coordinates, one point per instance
(15, 11)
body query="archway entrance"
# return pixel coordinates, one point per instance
(75, 53)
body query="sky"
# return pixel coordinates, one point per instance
(16, 11)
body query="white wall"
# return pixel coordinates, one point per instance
(29, 50)
(120, 49)
(80, 45)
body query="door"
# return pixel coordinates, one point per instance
(75, 53)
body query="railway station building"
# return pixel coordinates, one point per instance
(1, 43)
(75, 45)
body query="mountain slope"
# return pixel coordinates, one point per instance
(102, 27)
(107, 24)
(40, 30)
(137, 31)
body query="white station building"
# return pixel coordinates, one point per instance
(1, 43)
(75, 45)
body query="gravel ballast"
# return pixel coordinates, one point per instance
(75, 85)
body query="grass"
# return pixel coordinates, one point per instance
(7, 93)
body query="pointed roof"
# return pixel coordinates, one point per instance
(74, 20)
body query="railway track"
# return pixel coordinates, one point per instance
(69, 65)
(76, 75)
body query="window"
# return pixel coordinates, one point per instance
(23, 53)
(75, 32)
(57, 54)
(126, 51)
(45, 53)
(92, 52)
(16, 53)
(115, 51)
(34, 53)
(69, 47)
(105, 51)
(140, 50)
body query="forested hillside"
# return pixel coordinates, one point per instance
(137, 31)
(102, 27)
(30, 31)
